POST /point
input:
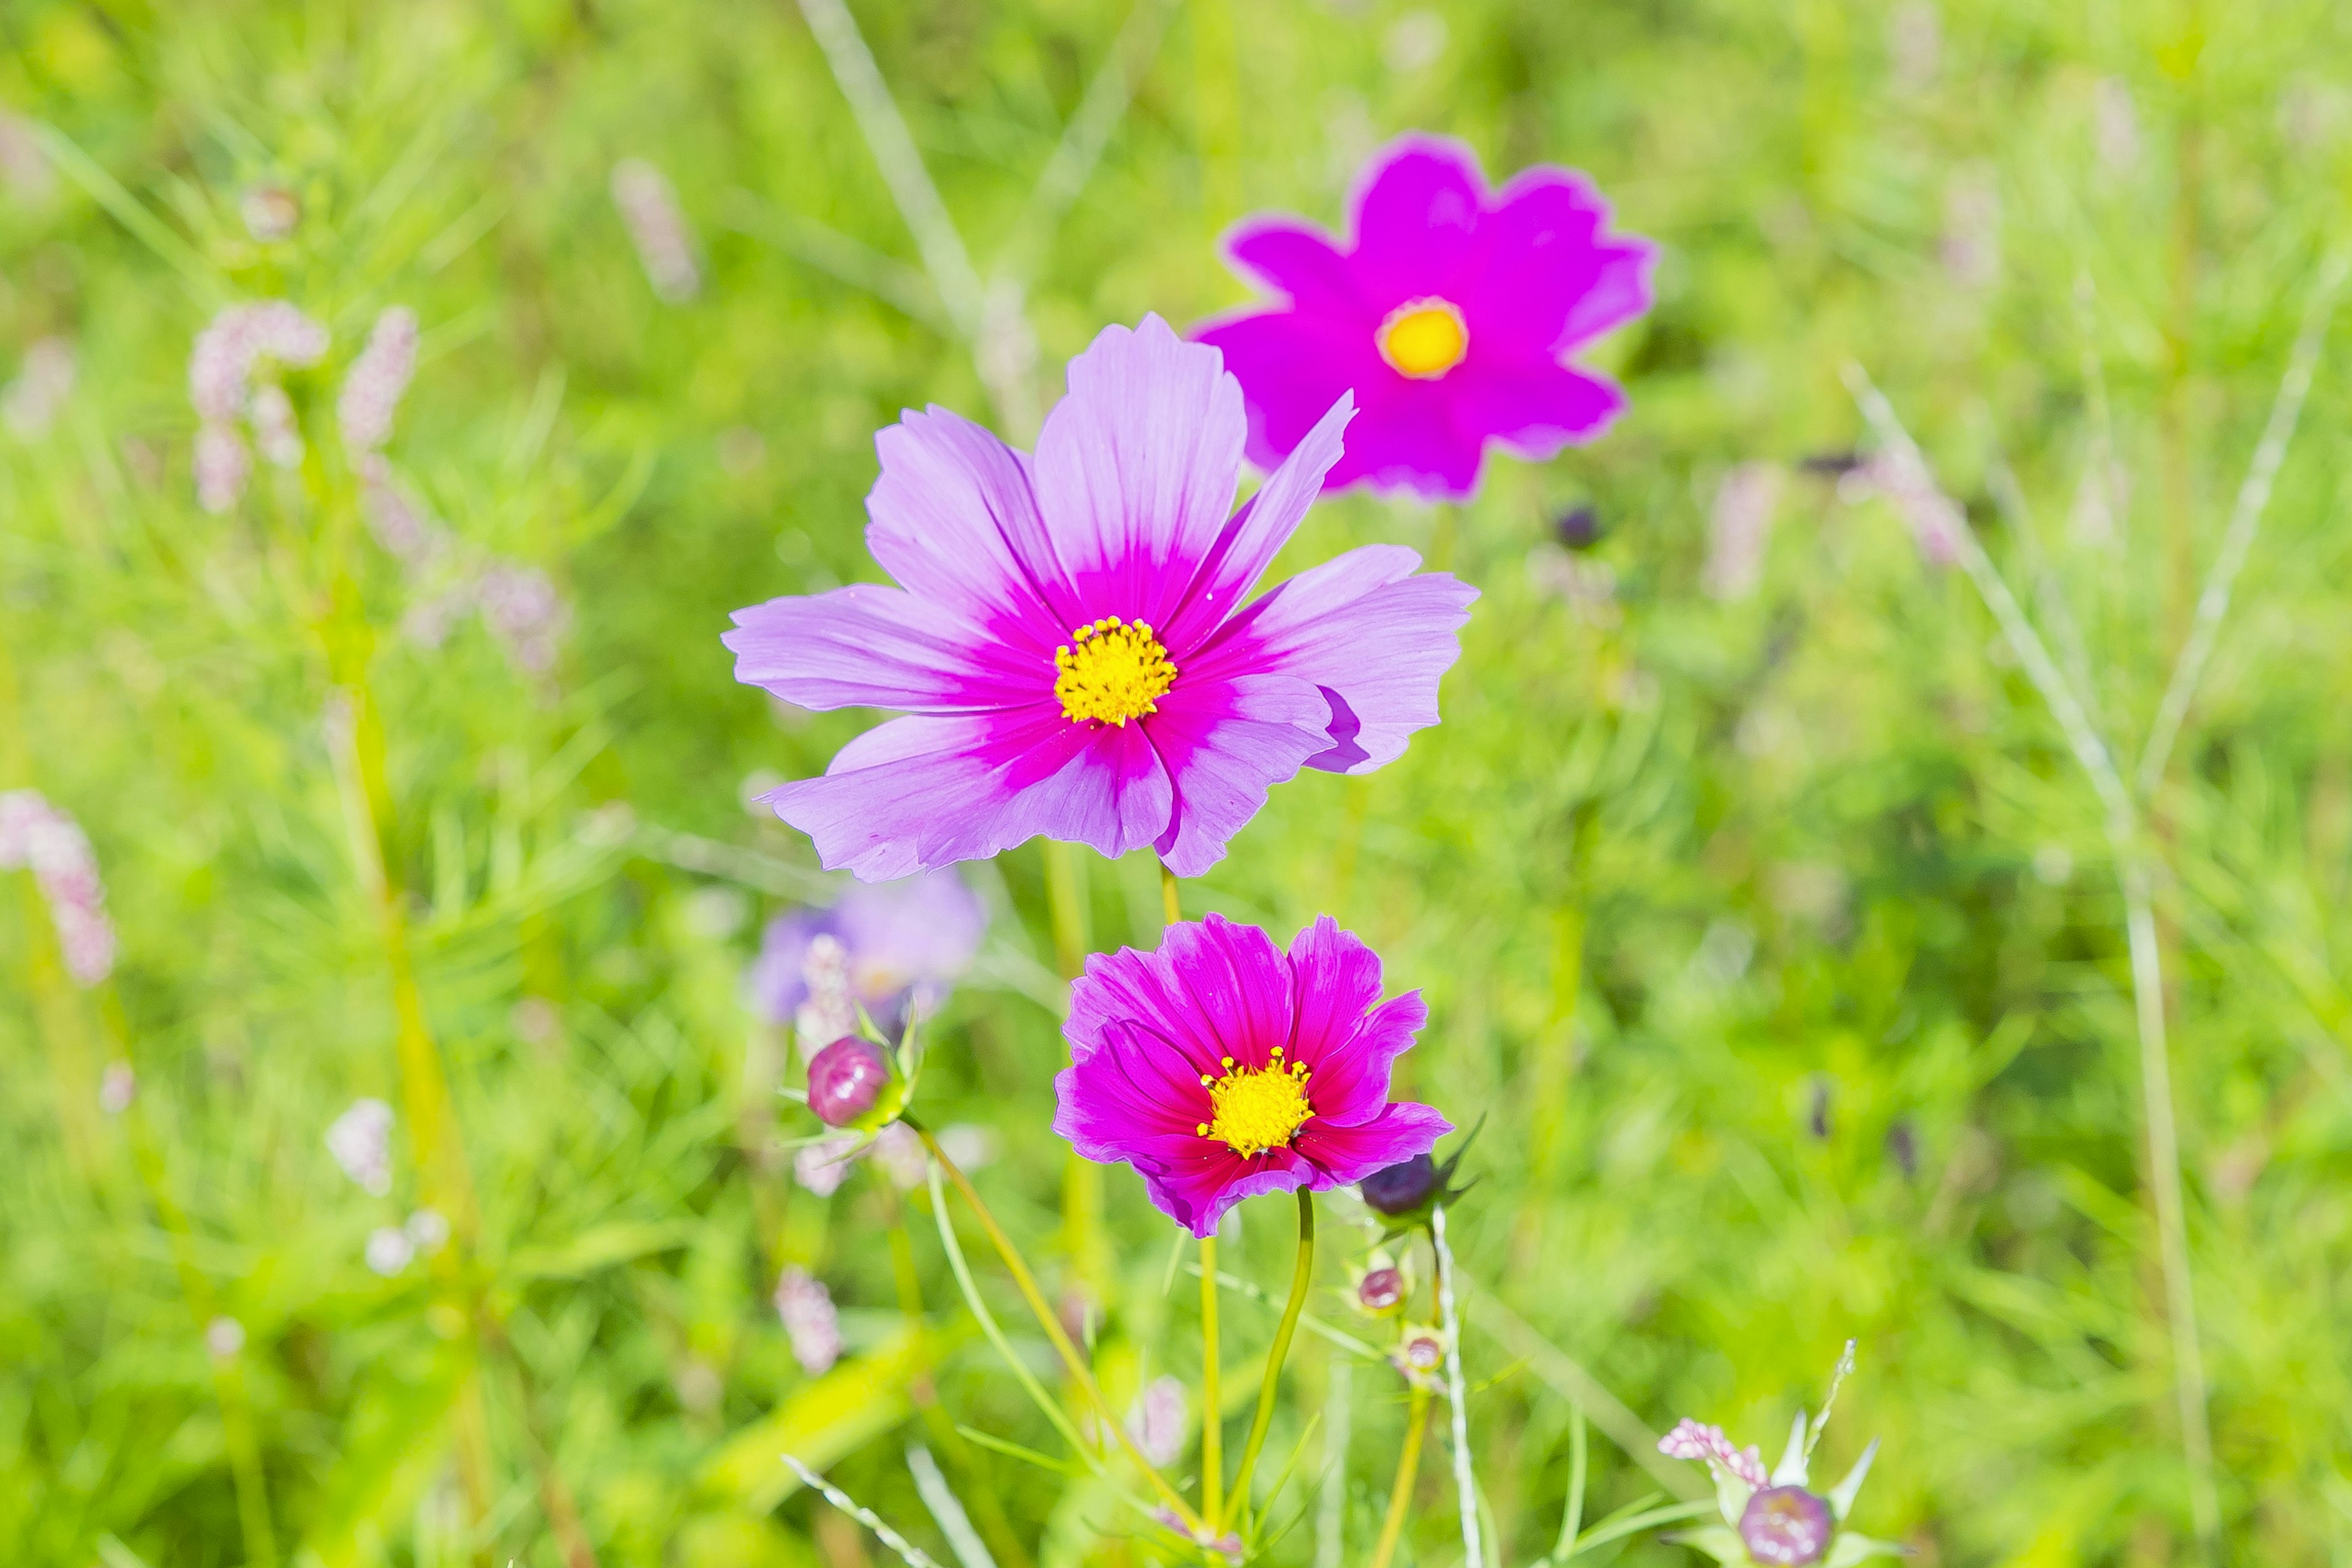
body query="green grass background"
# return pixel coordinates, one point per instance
(1776, 938)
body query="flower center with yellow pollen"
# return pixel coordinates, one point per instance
(1110, 672)
(1425, 338)
(1257, 1109)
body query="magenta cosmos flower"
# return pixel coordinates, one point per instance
(1449, 312)
(1221, 1067)
(1071, 645)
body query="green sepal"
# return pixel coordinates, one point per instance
(1719, 1542)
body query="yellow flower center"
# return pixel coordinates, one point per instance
(1425, 338)
(1257, 1109)
(1111, 672)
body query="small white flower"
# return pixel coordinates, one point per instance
(428, 1231)
(389, 1250)
(360, 1141)
(117, 1090)
(223, 1336)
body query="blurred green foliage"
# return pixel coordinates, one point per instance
(1772, 932)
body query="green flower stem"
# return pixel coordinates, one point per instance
(1301, 1277)
(1416, 1418)
(1169, 901)
(1212, 1406)
(1046, 1321)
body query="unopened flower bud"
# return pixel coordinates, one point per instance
(1381, 1291)
(845, 1080)
(271, 212)
(1399, 1188)
(1785, 1525)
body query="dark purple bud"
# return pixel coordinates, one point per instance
(1578, 527)
(845, 1078)
(1903, 1148)
(1380, 1290)
(1399, 1188)
(1818, 1122)
(1785, 1525)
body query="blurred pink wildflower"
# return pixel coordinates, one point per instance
(37, 836)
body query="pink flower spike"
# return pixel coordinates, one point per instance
(1692, 1440)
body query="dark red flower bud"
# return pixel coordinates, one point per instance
(1380, 1290)
(845, 1078)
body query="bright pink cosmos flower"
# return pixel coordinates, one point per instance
(1221, 1068)
(1449, 312)
(1071, 645)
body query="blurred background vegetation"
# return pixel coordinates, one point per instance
(1763, 912)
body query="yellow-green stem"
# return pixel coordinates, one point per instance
(1408, 1469)
(1075, 1364)
(1212, 1405)
(1169, 901)
(1301, 1277)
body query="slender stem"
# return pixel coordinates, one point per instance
(1044, 1401)
(1416, 1417)
(1301, 1278)
(1331, 1512)
(2246, 522)
(1571, 1516)
(2171, 1206)
(1169, 902)
(1465, 1485)
(2146, 970)
(1065, 904)
(1054, 1334)
(1212, 1405)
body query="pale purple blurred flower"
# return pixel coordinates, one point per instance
(40, 838)
(825, 1011)
(389, 1250)
(657, 228)
(275, 430)
(1695, 1440)
(372, 387)
(1936, 521)
(1972, 245)
(29, 403)
(901, 946)
(524, 612)
(1739, 526)
(1158, 1423)
(824, 1166)
(23, 168)
(224, 1336)
(809, 1321)
(360, 1141)
(231, 349)
(2118, 125)
(222, 465)
(406, 534)
(898, 1151)
(117, 1089)
(429, 621)
(428, 1231)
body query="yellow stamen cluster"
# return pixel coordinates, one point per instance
(1257, 1109)
(1425, 338)
(1111, 672)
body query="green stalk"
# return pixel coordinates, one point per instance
(1408, 1469)
(1301, 1277)
(1212, 1408)
(1075, 1364)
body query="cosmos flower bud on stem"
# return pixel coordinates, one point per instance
(1381, 1291)
(1785, 1525)
(1400, 1188)
(846, 1081)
